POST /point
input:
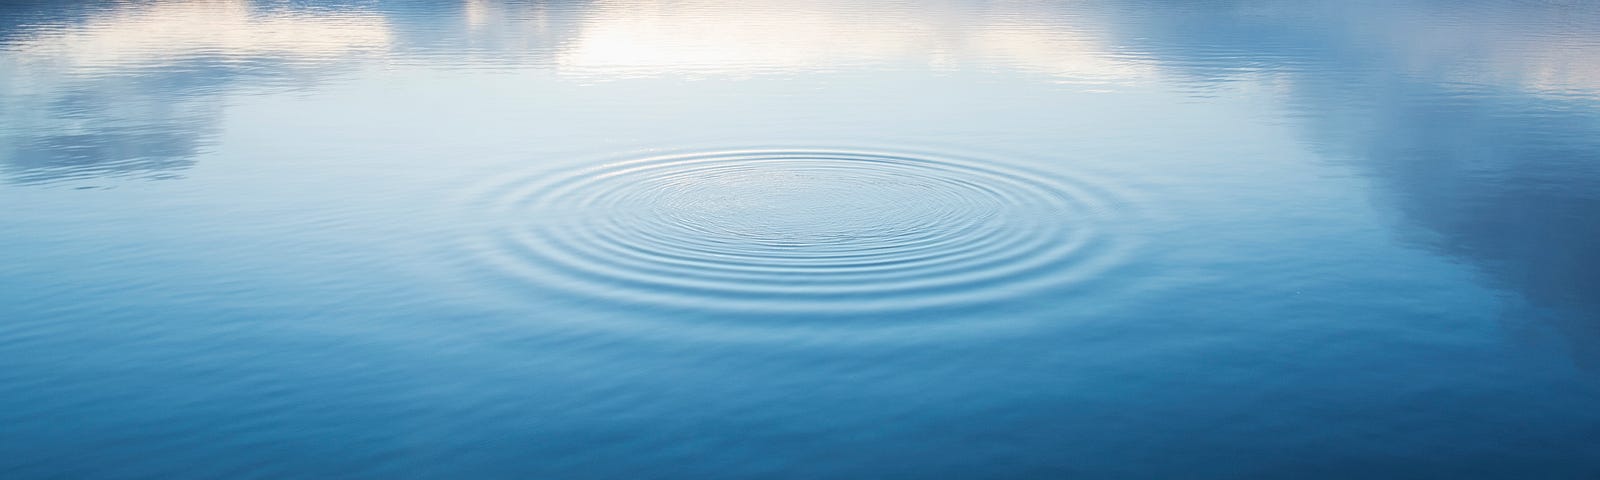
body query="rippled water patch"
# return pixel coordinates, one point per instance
(800, 232)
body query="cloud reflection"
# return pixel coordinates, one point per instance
(136, 90)
(159, 34)
(1479, 122)
(620, 38)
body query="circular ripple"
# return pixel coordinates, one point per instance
(801, 232)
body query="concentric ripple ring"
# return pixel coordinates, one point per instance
(801, 232)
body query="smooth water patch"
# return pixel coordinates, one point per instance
(803, 231)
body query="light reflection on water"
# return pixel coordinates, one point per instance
(697, 239)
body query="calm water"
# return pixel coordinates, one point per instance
(820, 239)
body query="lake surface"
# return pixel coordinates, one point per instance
(819, 239)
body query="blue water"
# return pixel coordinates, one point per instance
(820, 239)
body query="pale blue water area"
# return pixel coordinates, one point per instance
(817, 239)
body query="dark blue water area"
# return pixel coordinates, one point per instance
(715, 239)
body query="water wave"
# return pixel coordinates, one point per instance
(808, 232)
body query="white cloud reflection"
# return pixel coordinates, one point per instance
(152, 35)
(116, 84)
(721, 37)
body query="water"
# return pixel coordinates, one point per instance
(715, 239)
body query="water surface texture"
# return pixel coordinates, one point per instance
(818, 239)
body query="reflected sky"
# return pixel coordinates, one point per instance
(137, 89)
(1477, 122)
(1475, 118)
(133, 89)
